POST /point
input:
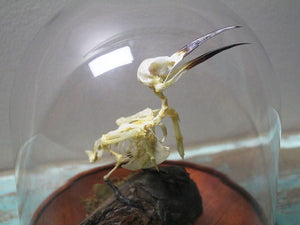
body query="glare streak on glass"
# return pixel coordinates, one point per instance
(111, 60)
(226, 146)
(217, 148)
(290, 141)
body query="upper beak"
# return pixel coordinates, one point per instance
(187, 49)
(176, 73)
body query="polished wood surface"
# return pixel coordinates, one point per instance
(224, 202)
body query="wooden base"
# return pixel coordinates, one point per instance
(224, 202)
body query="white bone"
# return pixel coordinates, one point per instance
(154, 71)
(145, 149)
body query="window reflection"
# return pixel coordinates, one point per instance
(111, 60)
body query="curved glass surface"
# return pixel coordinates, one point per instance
(79, 75)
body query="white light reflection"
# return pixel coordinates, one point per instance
(290, 141)
(111, 60)
(222, 147)
(245, 144)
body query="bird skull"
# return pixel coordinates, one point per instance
(153, 71)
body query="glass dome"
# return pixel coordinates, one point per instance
(65, 98)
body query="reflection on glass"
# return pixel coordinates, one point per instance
(111, 60)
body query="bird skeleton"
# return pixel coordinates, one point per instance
(136, 139)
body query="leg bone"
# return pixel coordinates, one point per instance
(120, 160)
(175, 120)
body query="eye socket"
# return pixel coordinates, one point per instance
(161, 68)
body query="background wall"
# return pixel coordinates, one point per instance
(275, 22)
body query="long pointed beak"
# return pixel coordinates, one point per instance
(207, 56)
(178, 72)
(187, 49)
